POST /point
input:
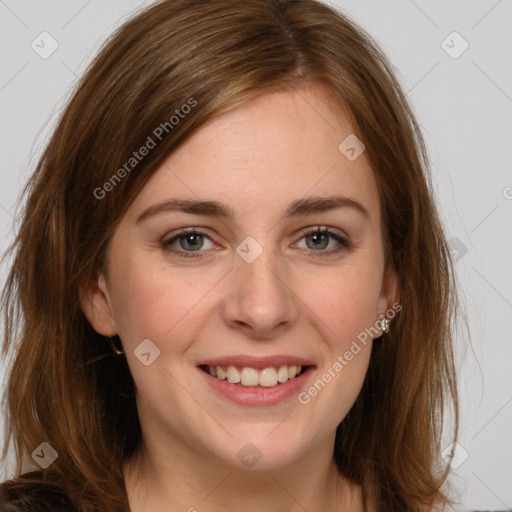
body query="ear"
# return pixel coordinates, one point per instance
(390, 291)
(96, 305)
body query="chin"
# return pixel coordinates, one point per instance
(264, 448)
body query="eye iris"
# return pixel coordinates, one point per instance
(316, 237)
(194, 238)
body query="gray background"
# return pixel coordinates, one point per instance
(464, 106)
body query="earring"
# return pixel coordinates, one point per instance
(114, 348)
(384, 325)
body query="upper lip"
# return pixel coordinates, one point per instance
(257, 362)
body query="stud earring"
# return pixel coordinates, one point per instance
(114, 348)
(384, 325)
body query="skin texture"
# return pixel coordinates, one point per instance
(277, 148)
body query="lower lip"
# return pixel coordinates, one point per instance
(258, 396)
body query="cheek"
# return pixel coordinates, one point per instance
(344, 309)
(345, 302)
(163, 306)
(157, 302)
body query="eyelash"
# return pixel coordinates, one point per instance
(343, 241)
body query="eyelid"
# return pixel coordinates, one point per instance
(170, 238)
(319, 229)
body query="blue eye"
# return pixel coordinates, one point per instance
(321, 237)
(190, 243)
(187, 239)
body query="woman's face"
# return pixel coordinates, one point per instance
(257, 286)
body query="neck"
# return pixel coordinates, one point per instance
(183, 479)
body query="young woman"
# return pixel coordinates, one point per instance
(231, 289)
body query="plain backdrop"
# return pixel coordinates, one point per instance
(454, 61)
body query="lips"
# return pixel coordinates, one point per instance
(257, 395)
(257, 362)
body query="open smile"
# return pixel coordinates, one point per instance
(256, 382)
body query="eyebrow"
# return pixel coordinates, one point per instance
(305, 206)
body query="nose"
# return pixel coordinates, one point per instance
(261, 300)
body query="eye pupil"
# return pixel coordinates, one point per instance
(317, 238)
(194, 238)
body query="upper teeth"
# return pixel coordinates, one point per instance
(247, 376)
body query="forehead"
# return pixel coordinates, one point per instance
(276, 148)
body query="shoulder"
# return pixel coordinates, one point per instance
(31, 493)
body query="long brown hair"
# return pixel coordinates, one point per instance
(66, 387)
